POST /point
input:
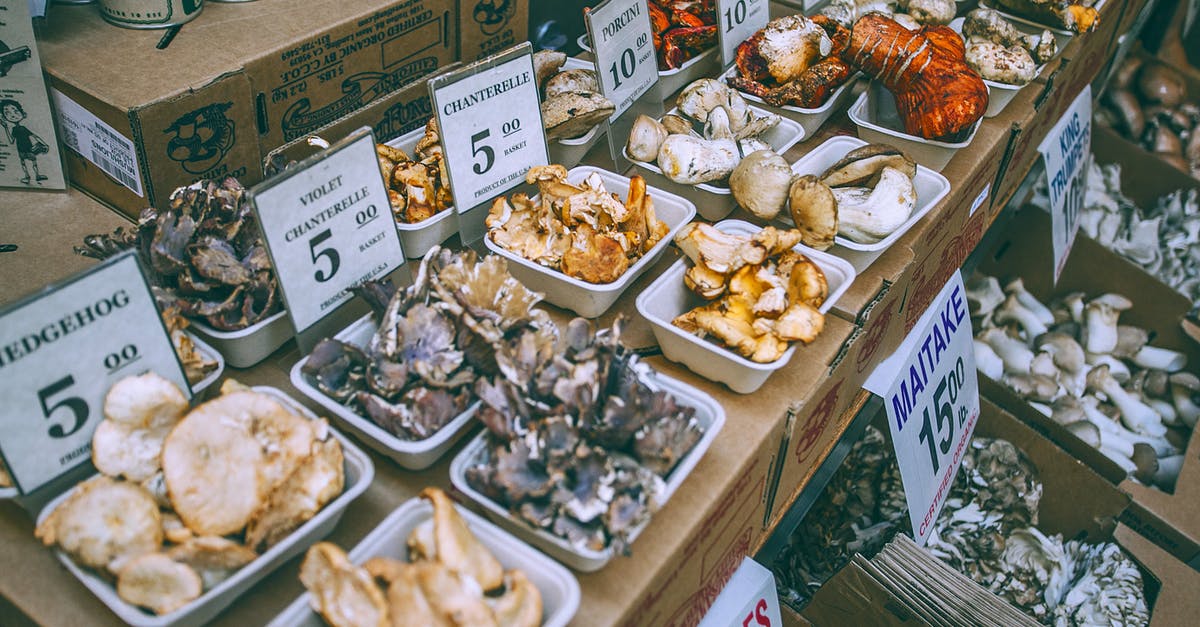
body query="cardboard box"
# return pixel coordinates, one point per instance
(1172, 520)
(1076, 503)
(236, 82)
(490, 26)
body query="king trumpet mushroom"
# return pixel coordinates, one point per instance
(1137, 416)
(987, 361)
(1016, 287)
(1160, 358)
(983, 294)
(1100, 316)
(1011, 310)
(1016, 355)
(1183, 387)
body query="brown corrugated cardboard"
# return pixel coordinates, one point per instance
(1177, 602)
(236, 82)
(490, 26)
(1172, 520)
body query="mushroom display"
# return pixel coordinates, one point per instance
(186, 498)
(1163, 239)
(1148, 103)
(572, 103)
(1000, 52)
(681, 30)
(1099, 379)
(762, 293)
(583, 231)
(203, 255)
(418, 184)
(988, 530)
(792, 62)
(911, 12)
(706, 140)
(435, 338)
(449, 578)
(579, 441)
(1074, 15)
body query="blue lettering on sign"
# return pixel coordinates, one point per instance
(935, 343)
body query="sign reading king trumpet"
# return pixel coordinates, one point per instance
(931, 392)
(328, 226)
(1066, 153)
(490, 122)
(60, 352)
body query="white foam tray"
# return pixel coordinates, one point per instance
(709, 415)
(1018, 20)
(207, 351)
(704, 64)
(715, 201)
(413, 455)
(808, 119)
(875, 115)
(359, 473)
(591, 299)
(668, 297)
(245, 347)
(416, 239)
(569, 152)
(931, 188)
(1000, 94)
(558, 587)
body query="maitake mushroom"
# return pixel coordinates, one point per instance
(1097, 378)
(763, 293)
(582, 230)
(418, 185)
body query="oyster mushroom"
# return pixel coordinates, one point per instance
(761, 182)
(1157, 358)
(814, 210)
(870, 215)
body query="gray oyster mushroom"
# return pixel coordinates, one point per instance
(435, 339)
(579, 443)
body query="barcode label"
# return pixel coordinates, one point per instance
(98, 142)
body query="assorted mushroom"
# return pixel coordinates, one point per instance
(1148, 103)
(1078, 16)
(572, 103)
(418, 185)
(580, 442)
(203, 255)
(987, 530)
(791, 62)
(1099, 379)
(729, 129)
(912, 13)
(450, 578)
(760, 292)
(184, 497)
(434, 340)
(864, 197)
(583, 231)
(1000, 52)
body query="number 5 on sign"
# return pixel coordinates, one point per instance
(738, 21)
(931, 392)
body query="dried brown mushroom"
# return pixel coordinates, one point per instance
(418, 186)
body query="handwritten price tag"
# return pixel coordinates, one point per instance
(1066, 152)
(932, 396)
(491, 124)
(60, 352)
(739, 20)
(328, 225)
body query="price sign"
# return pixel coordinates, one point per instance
(491, 124)
(739, 20)
(930, 388)
(60, 352)
(748, 599)
(1066, 152)
(328, 225)
(621, 40)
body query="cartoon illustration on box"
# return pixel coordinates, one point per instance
(202, 138)
(29, 146)
(492, 15)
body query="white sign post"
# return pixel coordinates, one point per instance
(491, 124)
(931, 391)
(737, 21)
(623, 45)
(60, 352)
(1066, 152)
(328, 225)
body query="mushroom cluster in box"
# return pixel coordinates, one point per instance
(1099, 379)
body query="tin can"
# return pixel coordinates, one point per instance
(150, 13)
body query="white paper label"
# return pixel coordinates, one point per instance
(748, 600)
(61, 351)
(983, 195)
(931, 392)
(328, 226)
(1065, 153)
(738, 20)
(625, 61)
(1189, 18)
(98, 142)
(491, 123)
